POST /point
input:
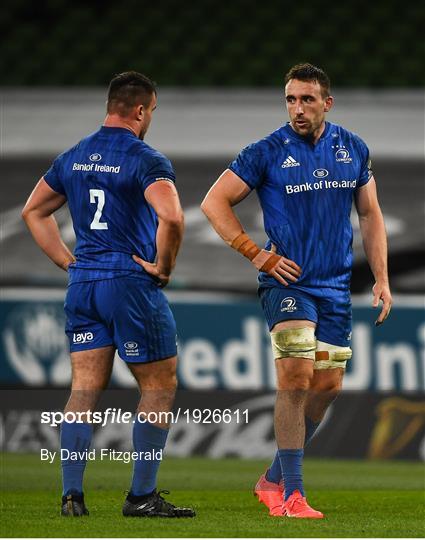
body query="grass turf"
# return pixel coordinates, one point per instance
(359, 499)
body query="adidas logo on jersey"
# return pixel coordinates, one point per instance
(290, 162)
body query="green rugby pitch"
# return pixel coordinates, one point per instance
(358, 498)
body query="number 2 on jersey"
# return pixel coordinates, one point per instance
(98, 194)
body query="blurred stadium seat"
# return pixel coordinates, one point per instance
(211, 43)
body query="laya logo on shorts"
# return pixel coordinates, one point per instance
(95, 157)
(131, 348)
(288, 305)
(82, 337)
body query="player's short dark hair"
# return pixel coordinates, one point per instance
(309, 73)
(127, 90)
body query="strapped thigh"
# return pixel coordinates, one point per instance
(331, 356)
(294, 343)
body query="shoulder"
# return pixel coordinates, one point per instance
(150, 155)
(350, 138)
(267, 145)
(152, 165)
(65, 156)
(78, 147)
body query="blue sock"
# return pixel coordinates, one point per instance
(146, 438)
(291, 462)
(74, 437)
(310, 430)
(274, 473)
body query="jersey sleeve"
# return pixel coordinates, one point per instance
(249, 166)
(159, 168)
(365, 164)
(52, 177)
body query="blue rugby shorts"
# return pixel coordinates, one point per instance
(130, 313)
(332, 314)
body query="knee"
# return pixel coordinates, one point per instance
(157, 384)
(295, 377)
(327, 387)
(163, 378)
(171, 383)
(167, 380)
(82, 400)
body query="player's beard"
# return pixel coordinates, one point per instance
(304, 129)
(308, 128)
(144, 128)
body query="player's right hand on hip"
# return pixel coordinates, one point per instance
(153, 270)
(277, 266)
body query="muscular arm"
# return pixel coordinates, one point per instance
(218, 204)
(374, 238)
(164, 199)
(38, 216)
(227, 191)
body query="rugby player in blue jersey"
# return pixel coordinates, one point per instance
(129, 226)
(306, 174)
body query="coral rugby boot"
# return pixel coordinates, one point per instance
(270, 494)
(297, 507)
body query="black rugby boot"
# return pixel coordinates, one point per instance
(154, 505)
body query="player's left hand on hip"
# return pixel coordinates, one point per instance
(153, 270)
(381, 291)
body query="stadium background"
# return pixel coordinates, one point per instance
(219, 68)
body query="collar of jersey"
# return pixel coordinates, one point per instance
(107, 129)
(291, 133)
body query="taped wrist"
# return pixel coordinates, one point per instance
(270, 262)
(247, 247)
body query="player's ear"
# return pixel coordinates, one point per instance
(328, 103)
(140, 112)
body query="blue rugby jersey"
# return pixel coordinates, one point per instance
(104, 178)
(306, 194)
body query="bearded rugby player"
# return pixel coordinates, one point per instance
(306, 174)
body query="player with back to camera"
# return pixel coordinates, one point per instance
(128, 222)
(306, 175)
